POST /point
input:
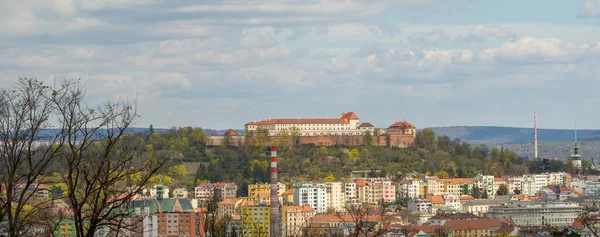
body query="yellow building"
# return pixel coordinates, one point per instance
(259, 190)
(423, 189)
(66, 228)
(473, 227)
(255, 220)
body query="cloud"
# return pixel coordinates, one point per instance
(547, 50)
(428, 39)
(483, 32)
(590, 9)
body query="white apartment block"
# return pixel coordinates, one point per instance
(539, 213)
(513, 183)
(420, 205)
(312, 195)
(351, 197)
(485, 183)
(408, 188)
(452, 201)
(336, 196)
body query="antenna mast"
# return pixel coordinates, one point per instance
(535, 139)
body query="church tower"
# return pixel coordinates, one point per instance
(576, 157)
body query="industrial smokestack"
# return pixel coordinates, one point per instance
(535, 141)
(275, 223)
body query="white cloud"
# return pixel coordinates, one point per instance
(428, 39)
(482, 32)
(590, 9)
(553, 50)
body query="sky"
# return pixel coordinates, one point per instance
(220, 64)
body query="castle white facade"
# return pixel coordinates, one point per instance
(348, 124)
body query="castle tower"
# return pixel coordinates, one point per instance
(576, 157)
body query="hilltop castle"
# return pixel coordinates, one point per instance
(346, 129)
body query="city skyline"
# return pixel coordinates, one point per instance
(221, 64)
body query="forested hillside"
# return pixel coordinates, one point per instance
(191, 161)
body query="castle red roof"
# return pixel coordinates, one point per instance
(366, 125)
(344, 119)
(401, 125)
(349, 116)
(231, 132)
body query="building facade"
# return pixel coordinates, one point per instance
(310, 194)
(539, 213)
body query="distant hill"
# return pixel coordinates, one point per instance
(507, 135)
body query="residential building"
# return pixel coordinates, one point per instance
(485, 183)
(229, 207)
(264, 189)
(440, 219)
(514, 183)
(499, 182)
(592, 188)
(538, 213)
(312, 195)
(178, 224)
(408, 188)
(180, 193)
(434, 186)
(351, 193)
(452, 201)
(204, 192)
(336, 196)
(420, 205)
(437, 201)
(295, 219)
(558, 193)
(382, 190)
(255, 220)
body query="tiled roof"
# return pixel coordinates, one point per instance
(289, 192)
(229, 201)
(231, 132)
(347, 217)
(366, 125)
(349, 116)
(401, 125)
(361, 183)
(472, 224)
(499, 180)
(436, 200)
(465, 197)
(461, 180)
(344, 119)
(297, 208)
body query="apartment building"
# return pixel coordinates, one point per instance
(336, 196)
(255, 220)
(204, 192)
(408, 187)
(310, 194)
(295, 219)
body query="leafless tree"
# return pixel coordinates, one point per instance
(26, 152)
(103, 172)
(215, 223)
(366, 220)
(590, 222)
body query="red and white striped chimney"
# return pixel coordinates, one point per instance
(275, 223)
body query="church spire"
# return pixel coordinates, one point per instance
(576, 147)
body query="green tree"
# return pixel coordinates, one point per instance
(368, 138)
(427, 139)
(476, 193)
(442, 174)
(178, 171)
(329, 178)
(295, 135)
(484, 194)
(517, 191)
(502, 190)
